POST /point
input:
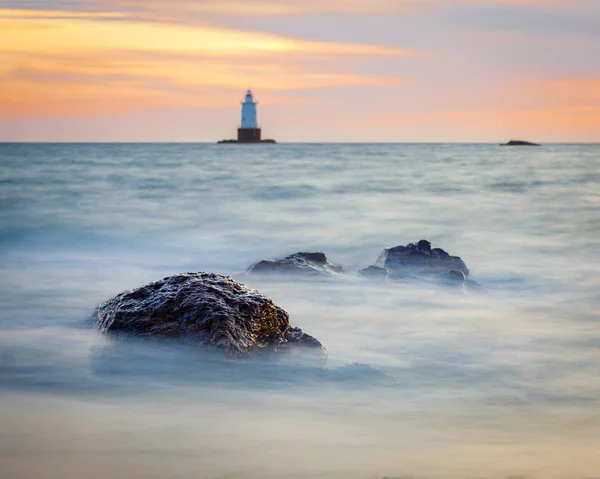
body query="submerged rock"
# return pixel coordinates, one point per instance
(454, 278)
(298, 263)
(419, 259)
(358, 373)
(207, 309)
(374, 272)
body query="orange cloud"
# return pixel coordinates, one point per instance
(71, 32)
(72, 63)
(266, 8)
(187, 11)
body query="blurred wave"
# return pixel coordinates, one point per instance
(422, 381)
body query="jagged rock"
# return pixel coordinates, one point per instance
(520, 143)
(302, 263)
(207, 309)
(419, 259)
(374, 272)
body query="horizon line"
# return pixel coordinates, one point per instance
(191, 142)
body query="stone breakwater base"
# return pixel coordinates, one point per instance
(235, 142)
(207, 309)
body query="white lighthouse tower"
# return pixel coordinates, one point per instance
(249, 132)
(249, 111)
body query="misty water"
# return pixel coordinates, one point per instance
(422, 380)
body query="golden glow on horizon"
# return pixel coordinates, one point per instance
(154, 55)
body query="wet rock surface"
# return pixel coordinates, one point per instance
(206, 309)
(298, 263)
(420, 259)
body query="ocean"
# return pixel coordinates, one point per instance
(422, 381)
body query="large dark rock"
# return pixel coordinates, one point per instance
(419, 259)
(302, 263)
(206, 309)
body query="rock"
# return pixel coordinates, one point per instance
(298, 263)
(357, 373)
(419, 259)
(374, 272)
(207, 309)
(454, 277)
(519, 143)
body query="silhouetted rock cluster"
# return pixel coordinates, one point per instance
(207, 309)
(415, 260)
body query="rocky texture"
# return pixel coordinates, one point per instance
(206, 309)
(374, 272)
(298, 263)
(419, 259)
(520, 143)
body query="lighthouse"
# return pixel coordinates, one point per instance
(248, 131)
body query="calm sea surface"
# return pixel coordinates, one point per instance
(422, 381)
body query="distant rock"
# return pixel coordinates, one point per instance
(419, 259)
(298, 263)
(520, 143)
(207, 309)
(374, 272)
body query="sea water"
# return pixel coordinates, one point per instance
(422, 381)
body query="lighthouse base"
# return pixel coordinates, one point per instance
(248, 135)
(236, 142)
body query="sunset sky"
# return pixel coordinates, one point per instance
(322, 70)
